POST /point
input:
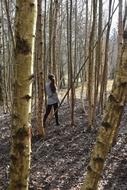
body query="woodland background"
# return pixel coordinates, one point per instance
(84, 44)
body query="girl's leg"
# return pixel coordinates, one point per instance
(55, 106)
(48, 109)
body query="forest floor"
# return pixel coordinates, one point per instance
(59, 162)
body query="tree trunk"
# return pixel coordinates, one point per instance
(1, 91)
(50, 66)
(70, 65)
(68, 60)
(112, 117)
(98, 54)
(40, 70)
(5, 94)
(103, 88)
(25, 26)
(44, 50)
(9, 22)
(75, 43)
(60, 72)
(85, 74)
(120, 32)
(91, 68)
(54, 33)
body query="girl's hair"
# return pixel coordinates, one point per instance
(52, 84)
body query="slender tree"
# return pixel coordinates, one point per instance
(120, 30)
(1, 93)
(40, 69)
(120, 38)
(85, 48)
(98, 54)
(60, 72)
(54, 36)
(4, 71)
(68, 60)
(75, 42)
(91, 68)
(44, 48)
(7, 42)
(111, 121)
(9, 22)
(70, 67)
(103, 88)
(50, 66)
(25, 25)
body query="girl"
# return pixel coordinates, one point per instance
(52, 100)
